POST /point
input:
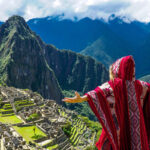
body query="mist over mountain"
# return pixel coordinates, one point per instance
(27, 62)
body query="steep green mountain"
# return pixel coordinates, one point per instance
(22, 62)
(107, 48)
(75, 71)
(27, 62)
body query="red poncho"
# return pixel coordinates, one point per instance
(122, 106)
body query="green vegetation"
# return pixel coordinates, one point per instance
(94, 126)
(6, 109)
(23, 103)
(52, 147)
(5, 57)
(82, 73)
(81, 108)
(7, 106)
(80, 127)
(67, 129)
(98, 135)
(16, 36)
(33, 117)
(28, 133)
(10, 119)
(36, 137)
(81, 121)
(77, 132)
(91, 148)
(7, 115)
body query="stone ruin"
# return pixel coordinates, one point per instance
(50, 122)
(10, 140)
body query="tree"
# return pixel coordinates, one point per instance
(34, 131)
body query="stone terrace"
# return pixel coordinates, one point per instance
(47, 115)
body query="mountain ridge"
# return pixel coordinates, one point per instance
(18, 72)
(26, 62)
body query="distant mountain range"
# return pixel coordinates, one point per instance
(68, 34)
(105, 41)
(27, 62)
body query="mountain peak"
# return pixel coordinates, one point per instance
(15, 26)
(22, 56)
(16, 19)
(16, 22)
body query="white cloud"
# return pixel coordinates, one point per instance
(134, 9)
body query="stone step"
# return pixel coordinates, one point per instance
(61, 145)
(67, 146)
(61, 138)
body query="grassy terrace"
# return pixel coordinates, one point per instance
(28, 133)
(23, 103)
(9, 117)
(78, 129)
(62, 113)
(52, 147)
(7, 108)
(12, 119)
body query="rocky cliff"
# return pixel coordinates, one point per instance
(75, 71)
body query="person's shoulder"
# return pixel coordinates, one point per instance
(144, 84)
(104, 85)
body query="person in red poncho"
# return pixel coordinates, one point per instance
(122, 106)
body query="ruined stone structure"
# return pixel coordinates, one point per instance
(46, 114)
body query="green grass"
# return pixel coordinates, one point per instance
(77, 131)
(37, 136)
(2, 110)
(28, 134)
(94, 126)
(52, 147)
(23, 102)
(10, 119)
(33, 116)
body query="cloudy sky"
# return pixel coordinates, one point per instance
(132, 9)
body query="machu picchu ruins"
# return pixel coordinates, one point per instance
(28, 121)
